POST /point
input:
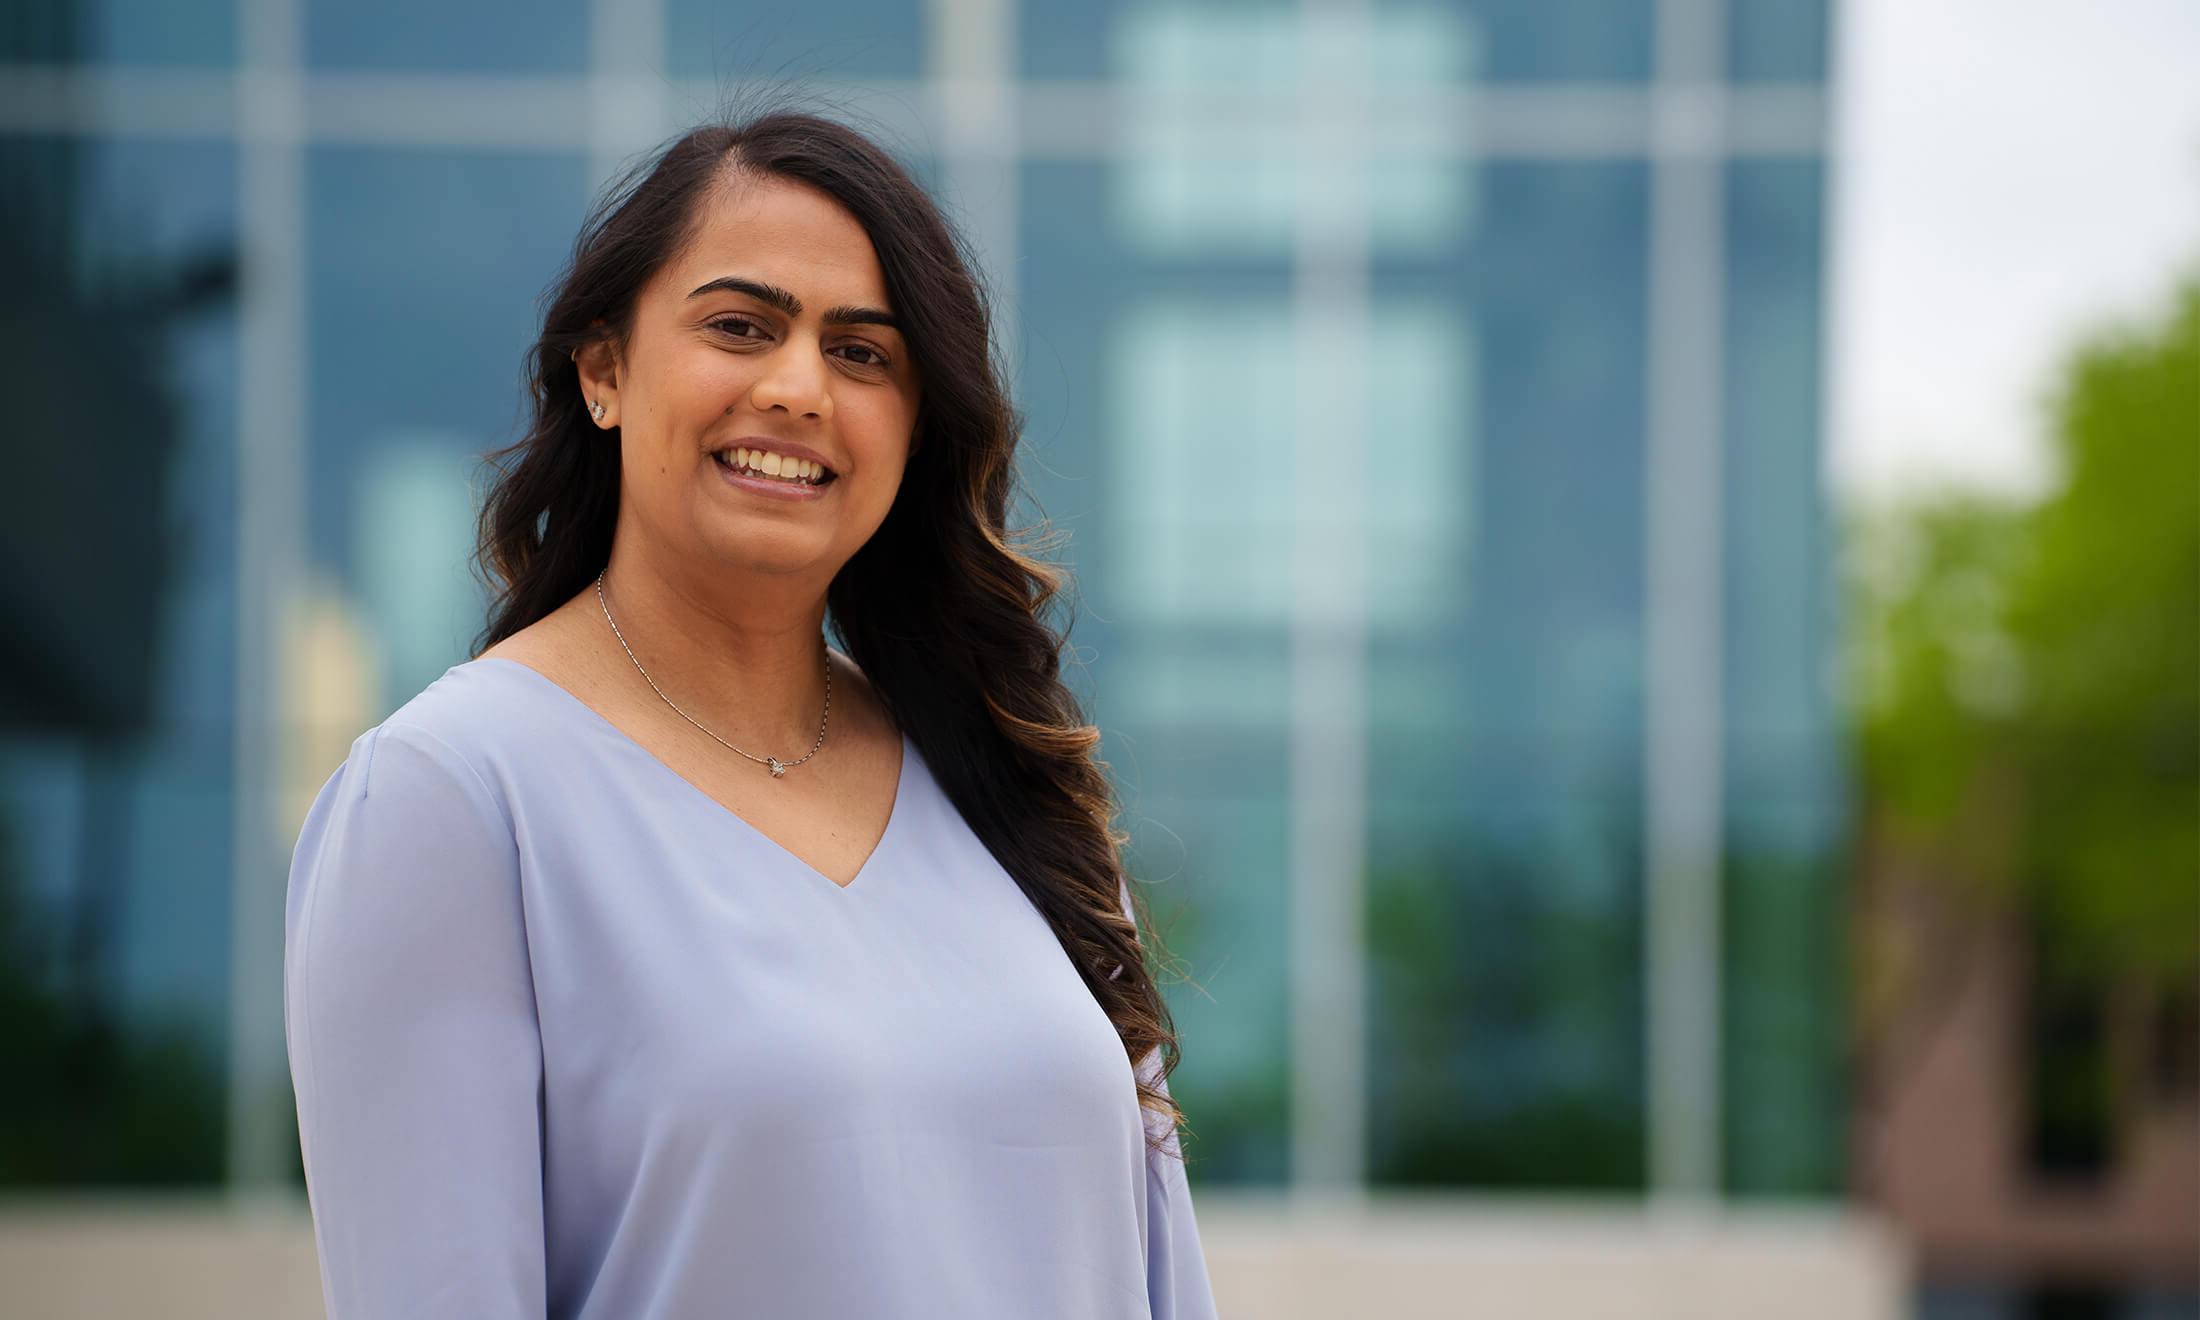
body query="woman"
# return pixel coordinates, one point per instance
(661, 960)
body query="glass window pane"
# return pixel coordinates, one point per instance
(1777, 41)
(1504, 867)
(436, 36)
(116, 781)
(1783, 733)
(153, 34)
(1195, 719)
(1555, 41)
(423, 271)
(1510, 40)
(1200, 436)
(735, 43)
(1192, 183)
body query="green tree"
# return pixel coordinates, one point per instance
(2028, 674)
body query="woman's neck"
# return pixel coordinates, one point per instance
(746, 661)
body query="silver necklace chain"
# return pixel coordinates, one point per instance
(779, 767)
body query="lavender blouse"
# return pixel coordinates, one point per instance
(570, 1039)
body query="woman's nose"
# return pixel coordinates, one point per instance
(794, 377)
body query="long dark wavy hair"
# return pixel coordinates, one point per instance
(943, 608)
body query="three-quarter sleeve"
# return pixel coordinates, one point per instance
(1177, 1287)
(415, 1052)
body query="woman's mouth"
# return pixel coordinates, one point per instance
(745, 470)
(771, 467)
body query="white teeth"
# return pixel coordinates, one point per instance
(759, 462)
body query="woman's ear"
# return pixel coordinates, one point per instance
(598, 366)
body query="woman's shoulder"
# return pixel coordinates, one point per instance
(477, 721)
(431, 769)
(474, 707)
(491, 704)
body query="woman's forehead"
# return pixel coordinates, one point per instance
(785, 234)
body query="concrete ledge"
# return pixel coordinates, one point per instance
(190, 1258)
(1397, 1257)
(1406, 1258)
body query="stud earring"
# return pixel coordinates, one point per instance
(595, 409)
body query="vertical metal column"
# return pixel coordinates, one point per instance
(970, 62)
(1683, 756)
(1331, 451)
(271, 496)
(626, 83)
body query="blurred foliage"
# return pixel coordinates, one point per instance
(2027, 675)
(101, 1102)
(107, 1090)
(1504, 1050)
(1784, 1021)
(1237, 1125)
(1238, 1128)
(111, 1090)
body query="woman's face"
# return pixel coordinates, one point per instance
(772, 329)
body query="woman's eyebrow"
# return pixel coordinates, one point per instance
(792, 306)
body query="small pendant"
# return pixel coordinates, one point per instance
(778, 770)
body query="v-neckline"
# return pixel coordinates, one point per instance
(893, 812)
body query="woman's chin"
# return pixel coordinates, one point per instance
(744, 547)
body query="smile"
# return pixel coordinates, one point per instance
(765, 466)
(794, 489)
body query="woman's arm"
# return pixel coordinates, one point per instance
(415, 1052)
(1176, 1264)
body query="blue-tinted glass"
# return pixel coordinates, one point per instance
(1556, 40)
(1783, 796)
(1194, 712)
(423, 269)
(1505, 742)
(183, 34)
(928, 170)
(1776, 41)
(1199, 418)
(177, 204)
(437, 36)
(115, 862)
(1191, 185)
(1511, 40)
(735, 43)
(1101, 39)
(1504, 365)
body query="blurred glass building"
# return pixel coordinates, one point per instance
(1432, 392)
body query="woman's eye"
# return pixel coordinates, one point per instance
(728, 324)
